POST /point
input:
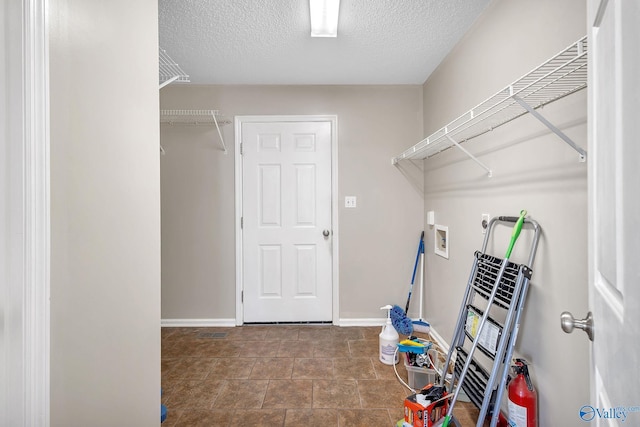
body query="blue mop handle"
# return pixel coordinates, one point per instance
(420, 251)
(415, 268)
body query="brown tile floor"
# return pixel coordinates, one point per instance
(282, 375)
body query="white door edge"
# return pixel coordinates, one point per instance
(238, 122)
(26, 321)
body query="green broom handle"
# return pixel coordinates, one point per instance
(516, 232)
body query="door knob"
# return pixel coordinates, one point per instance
(326, 233)
(569, 323)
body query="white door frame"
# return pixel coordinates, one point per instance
(239, 121)
(24, 190)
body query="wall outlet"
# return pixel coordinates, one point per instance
(350, 201)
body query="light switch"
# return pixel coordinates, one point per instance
(350, 201)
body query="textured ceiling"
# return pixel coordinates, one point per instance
(268, 42)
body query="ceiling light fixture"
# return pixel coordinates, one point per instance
(324, 17)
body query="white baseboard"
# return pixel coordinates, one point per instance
(226, 323)
(197, 323)
(439, 340)
(362, 322)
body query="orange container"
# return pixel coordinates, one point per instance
(418, 415)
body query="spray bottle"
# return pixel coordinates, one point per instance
(389, 339)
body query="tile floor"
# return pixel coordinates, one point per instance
(282, 375)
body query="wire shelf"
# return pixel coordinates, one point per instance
(562, 75)
(169, 70)
(193, 117)
(196, 117)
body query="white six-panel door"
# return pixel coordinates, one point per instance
(614, 204)
(286, 221)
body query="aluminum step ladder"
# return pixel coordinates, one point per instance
(487, 326)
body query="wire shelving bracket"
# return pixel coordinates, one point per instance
(196, 117)
(169, 71)
(560, 76)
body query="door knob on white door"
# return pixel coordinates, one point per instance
(569, 323)
(326, 233)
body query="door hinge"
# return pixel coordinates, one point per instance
(241, 296)
(241, 149)
(241, 222)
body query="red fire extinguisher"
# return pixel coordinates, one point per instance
(523, 399)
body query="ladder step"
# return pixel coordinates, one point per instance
(475, 382)
(485, 278)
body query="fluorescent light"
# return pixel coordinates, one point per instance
(324, 17)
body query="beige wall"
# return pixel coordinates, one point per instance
(105, 214)
(532, 169)
(378, 239)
